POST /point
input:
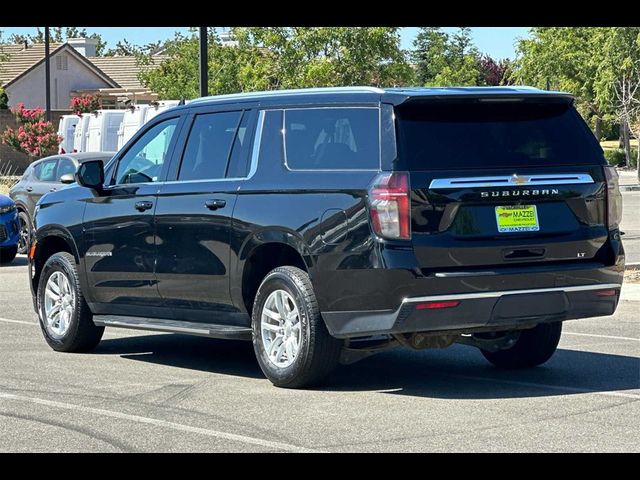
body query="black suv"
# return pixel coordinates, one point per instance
(329, 224)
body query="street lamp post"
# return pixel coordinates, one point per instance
(204, 69)
(47, 74)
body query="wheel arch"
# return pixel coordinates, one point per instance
(261, 253)
(50, 240)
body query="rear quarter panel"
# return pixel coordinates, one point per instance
(321, 214)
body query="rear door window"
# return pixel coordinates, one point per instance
(332, 138)
(46, 171)
(450, 135)
(209, 145)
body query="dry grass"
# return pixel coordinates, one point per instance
(610, 144)
(632, 275)
(6, 183)
(8, 178)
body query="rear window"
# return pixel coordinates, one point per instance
(491, 134)
(332, 139)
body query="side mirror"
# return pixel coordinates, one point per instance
(91, 174)
(68, 178)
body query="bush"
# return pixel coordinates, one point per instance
(34, 136)
(4, 100)
(615, 157)
(84, 104)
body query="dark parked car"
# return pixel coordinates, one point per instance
(9, 231)
(329, 224)
(43, 176)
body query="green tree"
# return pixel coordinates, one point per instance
(446, 60)
(619, 80)
(3, 56)
(60, 35)
(330, 56)
(124, 47)
(569, 59)
(4, 99)
(282, 57)
(178, 76)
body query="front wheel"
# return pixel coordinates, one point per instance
(533, 347)
(291, 342)
(65, 318)
(25, 233)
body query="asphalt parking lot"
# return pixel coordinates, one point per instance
(631, 225)
(142, 391)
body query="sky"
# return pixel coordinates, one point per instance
(496, 41)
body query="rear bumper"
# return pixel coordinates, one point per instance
(479, 310)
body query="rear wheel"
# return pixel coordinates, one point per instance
(65, 318)
(533, 347)
(25, 232)
(291, 342)
(7, 254)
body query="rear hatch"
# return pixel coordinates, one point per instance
(498, 182)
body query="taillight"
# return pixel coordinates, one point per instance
(614, 198)
(437, 305)
(389, 205)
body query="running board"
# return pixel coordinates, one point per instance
(229, 332)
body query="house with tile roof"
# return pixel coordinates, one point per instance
(75, 69)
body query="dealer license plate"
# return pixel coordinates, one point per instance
(517, 218)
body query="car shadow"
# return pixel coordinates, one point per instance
(19, 261)
(461, 372)
(458, 372)
(184, 351)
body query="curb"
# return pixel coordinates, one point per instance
(632, 266)
(630, 188)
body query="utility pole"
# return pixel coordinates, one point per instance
(204, 64)
(47, 74)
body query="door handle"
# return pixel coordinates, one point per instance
(29, 189)
(142, 206)
(215, 204)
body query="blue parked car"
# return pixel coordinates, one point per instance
(9, 229)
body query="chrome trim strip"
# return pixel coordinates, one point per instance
(257, 141)
(278, 93)
(511, 181)
(496, 294)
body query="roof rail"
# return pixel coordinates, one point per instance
(295, 91)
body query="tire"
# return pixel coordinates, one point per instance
(533, 348)
(7, 254)
(24, 222)
(80, 334)
(318, 352)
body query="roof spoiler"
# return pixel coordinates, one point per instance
(397, 98)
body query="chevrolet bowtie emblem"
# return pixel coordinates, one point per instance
(519, 180)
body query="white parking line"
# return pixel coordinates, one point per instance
(17, 321)
(163, 423)
(601, 336)
(546, 386)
